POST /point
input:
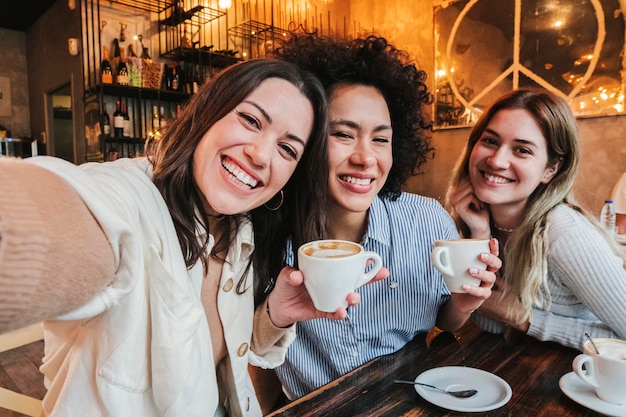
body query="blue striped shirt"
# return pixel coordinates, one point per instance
(392, 311)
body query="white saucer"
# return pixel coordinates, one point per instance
(493, 391)
(585, 395)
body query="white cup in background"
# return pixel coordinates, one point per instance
(453, 258)
(334, 268)
(606, 371)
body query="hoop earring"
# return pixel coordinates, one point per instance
(280, 203)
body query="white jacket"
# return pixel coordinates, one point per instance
(142, 347)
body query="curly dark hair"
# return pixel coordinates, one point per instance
(374, 62)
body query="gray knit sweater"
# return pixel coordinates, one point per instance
(587, 283)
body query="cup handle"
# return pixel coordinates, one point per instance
(437, 257)
(374, 268)
(589, 373)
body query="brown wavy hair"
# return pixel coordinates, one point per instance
(173, 170)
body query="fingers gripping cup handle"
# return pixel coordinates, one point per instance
(377, 263)
(441, 260)
(588, 374)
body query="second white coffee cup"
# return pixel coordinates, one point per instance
(606, 371)
(334, 268)
(453, 258)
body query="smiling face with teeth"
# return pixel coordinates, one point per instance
(360, 154)
(246, 157)
(509, 161)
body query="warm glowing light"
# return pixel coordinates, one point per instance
(604, 96)
(558, 24)
(225, 4)
(441, 73)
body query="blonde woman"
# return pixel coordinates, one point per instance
(562, 276)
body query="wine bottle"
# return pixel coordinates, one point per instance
(162, 119)
(106, 122)
(118, 120)
(185, 41)
(122, 70)
(105, 68)
(175, 79)
(156, 123)
(131, 51)
(116, 53)
(126, 121)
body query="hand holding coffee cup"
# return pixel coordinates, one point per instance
(453, 258)
(333, 269)
(605, 371)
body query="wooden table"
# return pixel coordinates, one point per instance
(531, 368)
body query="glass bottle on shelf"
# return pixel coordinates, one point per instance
(122, 70)
(106, 71)
(116, 53)
(175, 79)
(162, 118)
(118, 119)
(106, 122)
(156, 123)
(126, 121)
(131, 51)
(185, 41)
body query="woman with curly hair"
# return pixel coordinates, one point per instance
(378, 139)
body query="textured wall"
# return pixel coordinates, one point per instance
(13, 47)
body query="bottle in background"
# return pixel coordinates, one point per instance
(131, 51)
(607, 217)
(105, 68)
(175, 79)
(185, 41)
(106, 122)
(122, 70)
(126, 121)
(162, 118)
(116, 53)
(156, 123)
(118, 120)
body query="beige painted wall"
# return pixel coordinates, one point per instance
(409, 25)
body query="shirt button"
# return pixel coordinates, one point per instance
(393, 284)
(228, 285)
(242, 349)
(355, 353)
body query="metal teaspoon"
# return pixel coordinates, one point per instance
(592, 343)
(459, 394)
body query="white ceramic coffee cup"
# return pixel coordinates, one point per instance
(334, 268)
(606, 371)
(453, 258)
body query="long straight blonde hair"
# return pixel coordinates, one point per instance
(525, 263)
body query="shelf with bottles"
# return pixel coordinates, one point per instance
(127, 123)
(186, 36)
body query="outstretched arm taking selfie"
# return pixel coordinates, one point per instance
(54, 256)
